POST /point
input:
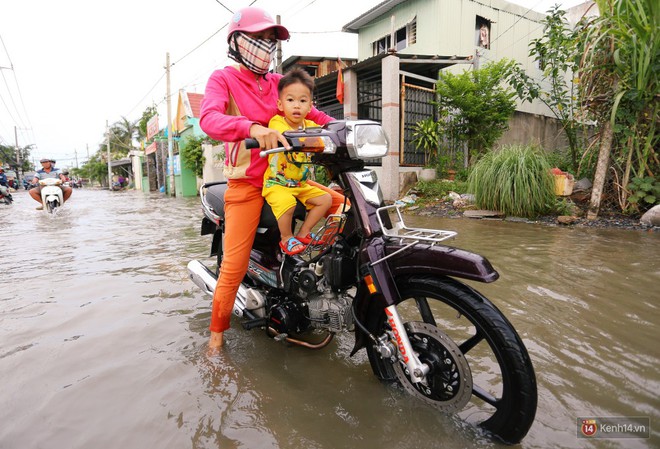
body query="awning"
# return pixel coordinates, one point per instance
(120, 162)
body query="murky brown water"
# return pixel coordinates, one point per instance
(102, 339)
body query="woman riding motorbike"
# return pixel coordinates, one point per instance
(238, 103)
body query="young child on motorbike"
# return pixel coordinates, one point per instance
(286, 174)
(238, 103)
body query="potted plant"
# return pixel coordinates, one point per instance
(426, 137)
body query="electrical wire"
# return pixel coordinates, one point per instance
(514, 23)
(220, 3)
(25, 126)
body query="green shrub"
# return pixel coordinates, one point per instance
(644, 192)
(192, 153)
(565, 206)
(439, 188)
(514, 180)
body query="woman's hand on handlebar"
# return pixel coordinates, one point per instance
(268, 138)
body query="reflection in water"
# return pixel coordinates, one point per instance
(103, 339)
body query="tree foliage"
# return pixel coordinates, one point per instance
(192, 153)
(8, 157)
(474, 107)
(95, 169)
(122, 135)
(556, 53)
(148, 113)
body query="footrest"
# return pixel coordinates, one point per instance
(256, 322)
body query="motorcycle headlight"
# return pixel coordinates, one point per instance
(366, 139)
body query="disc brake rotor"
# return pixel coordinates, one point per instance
(448, 384)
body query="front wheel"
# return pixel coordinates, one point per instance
(52, 205)
(477, 361)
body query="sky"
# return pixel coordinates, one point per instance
(68, 66)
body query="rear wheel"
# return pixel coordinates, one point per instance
(478, 365)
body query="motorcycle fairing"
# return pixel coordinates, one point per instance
(440, 260)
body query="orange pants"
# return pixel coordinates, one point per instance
(243, 203)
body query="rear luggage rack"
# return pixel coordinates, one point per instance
(408, 236)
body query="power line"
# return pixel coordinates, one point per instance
(145, 95)
(220, 3)
(182, 58)
(514, 23)
(24, 126)
(200, 44)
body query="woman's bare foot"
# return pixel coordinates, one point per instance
(215, 343)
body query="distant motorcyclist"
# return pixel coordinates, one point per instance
(48, 170)
(3, 183)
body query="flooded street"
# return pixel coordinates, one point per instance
(103, 339)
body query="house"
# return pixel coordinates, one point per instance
(401, 46)
(319, 67)
(151, 165)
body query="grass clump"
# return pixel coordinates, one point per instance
(439, 188)
(514, 180)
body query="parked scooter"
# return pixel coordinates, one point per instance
(396, 287)
(51, 194)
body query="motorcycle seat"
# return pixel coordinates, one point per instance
(215, 196)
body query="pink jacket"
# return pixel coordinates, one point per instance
(233, 101)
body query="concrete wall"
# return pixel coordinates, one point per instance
(534, 129)
(213, 166)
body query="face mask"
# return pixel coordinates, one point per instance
(255, 54)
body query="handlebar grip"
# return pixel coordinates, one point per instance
(251, 143)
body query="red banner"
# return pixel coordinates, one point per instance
(340, 84)
(152, 127)
(151, 148)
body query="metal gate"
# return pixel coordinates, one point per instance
(417, 103)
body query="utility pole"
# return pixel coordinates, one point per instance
(170, 151)
(278, 53)
(18, 153)
(107, 136)
(76, 151)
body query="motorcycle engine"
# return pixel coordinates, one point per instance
(331, 312)
(317, 297)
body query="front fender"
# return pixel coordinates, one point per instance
(439, 260)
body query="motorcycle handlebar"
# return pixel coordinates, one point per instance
(251, 143)
(254, 143)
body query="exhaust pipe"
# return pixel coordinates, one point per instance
(205, 279)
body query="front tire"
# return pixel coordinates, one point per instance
(504, 402)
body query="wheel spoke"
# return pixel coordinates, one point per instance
(485, 396)
(425, 310)
(471, 342)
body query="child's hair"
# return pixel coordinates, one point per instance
(296, 75)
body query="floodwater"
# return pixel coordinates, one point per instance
(103, 339)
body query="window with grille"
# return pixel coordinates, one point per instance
(403, 37)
